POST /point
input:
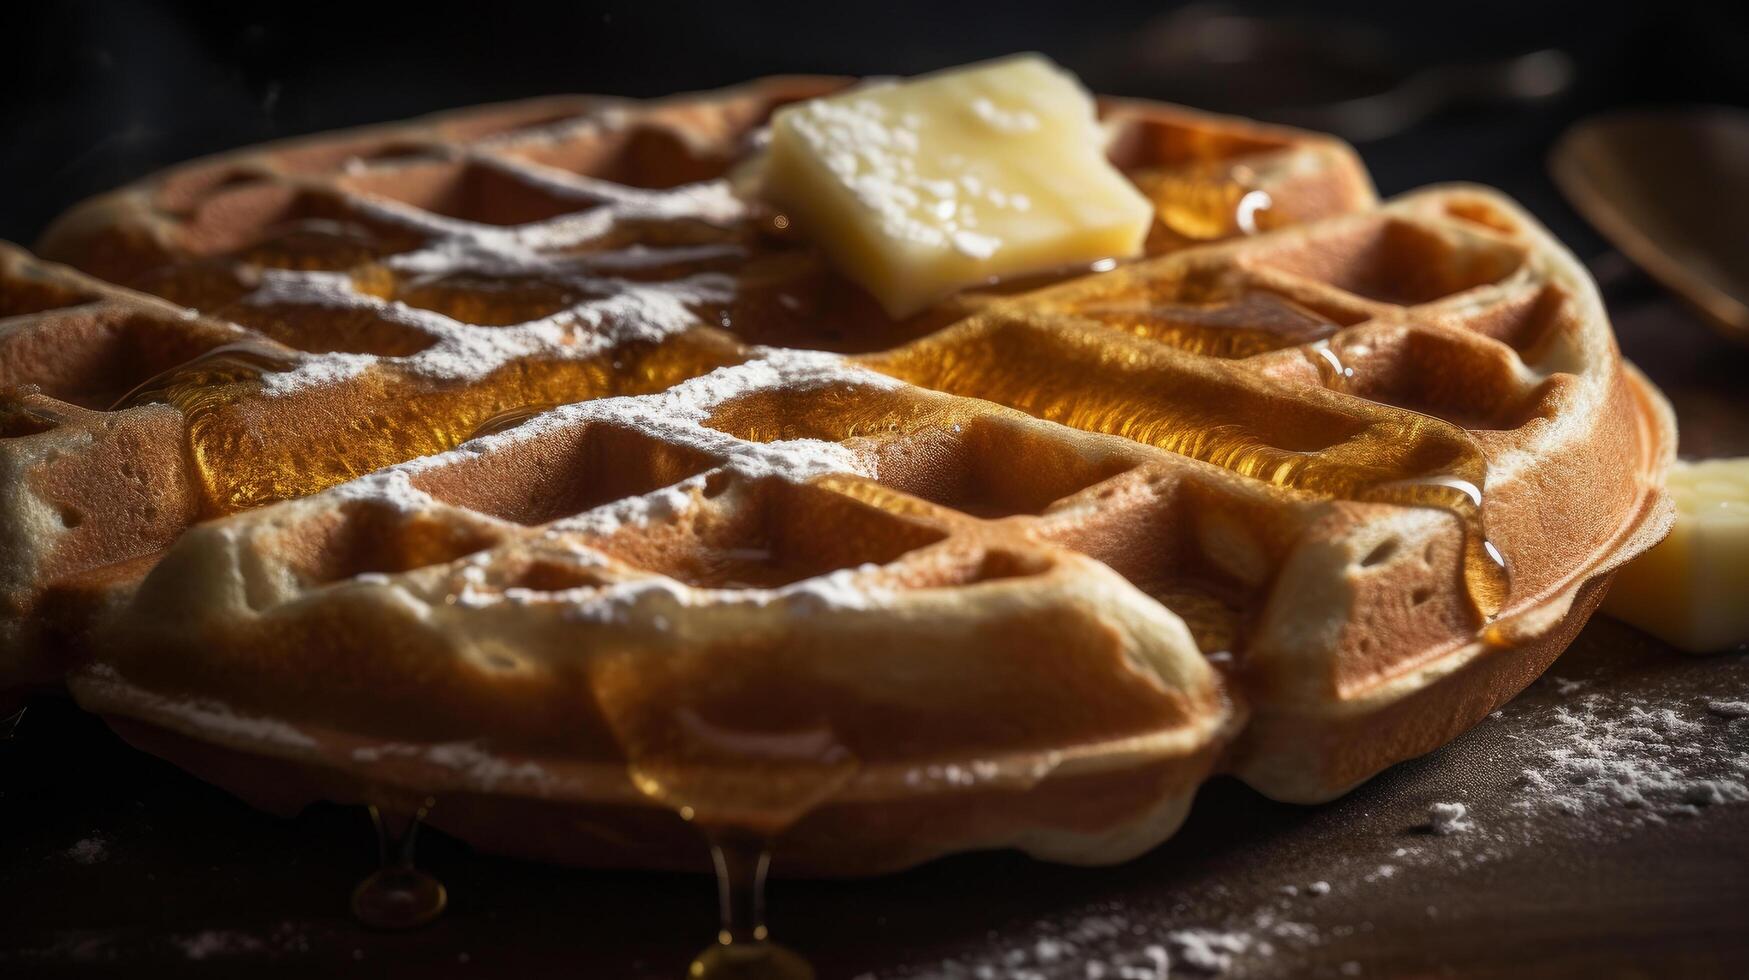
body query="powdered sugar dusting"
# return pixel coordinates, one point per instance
(1634, 760)
(617, 312)
(1110, 943)
(677, 416)
(208, 717)
(658, 600)
(89, 850)
(216, 943)
(481, 768)
(1448, 818)
(1589, 762)
(642, 511)
(559, 252)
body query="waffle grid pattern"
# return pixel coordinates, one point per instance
(1219, 430)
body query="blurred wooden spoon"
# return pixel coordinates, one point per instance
(1670, 188)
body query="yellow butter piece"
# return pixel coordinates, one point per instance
(1692, 590)
(917, 189)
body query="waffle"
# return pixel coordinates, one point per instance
(516, 462)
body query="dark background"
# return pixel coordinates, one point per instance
(95, 93)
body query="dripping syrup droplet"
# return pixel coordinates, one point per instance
(1334, 373)
(744, 950)
(1487, 579)
(398, 896)
(736, 760)
(1249, 206)
(1206, 202)
(9, 723)
(1485, 573)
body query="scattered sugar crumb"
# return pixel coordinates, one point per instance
(1113, 945)
(1318, 888)
(1206, 950)
(90, 850)
(1565, 687)
(1448, 818)
(216, 942)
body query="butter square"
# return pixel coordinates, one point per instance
(918, 189)
(1692, 589)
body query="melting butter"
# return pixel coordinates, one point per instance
(1692, 590)
(918, 189)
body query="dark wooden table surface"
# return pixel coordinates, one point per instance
(112, 862)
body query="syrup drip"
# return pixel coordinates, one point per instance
(742, 786)
(1500, 634)
(1205, 202)
(744, 950)
(1487, 579)
(201, 389)
(398, 896)
(9, 723)
(1252, 204)
(1334, 373)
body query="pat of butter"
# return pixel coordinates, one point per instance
(1692, 590)
(920, 188)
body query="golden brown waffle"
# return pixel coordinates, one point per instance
(1020, 571)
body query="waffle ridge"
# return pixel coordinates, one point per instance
(482, 465)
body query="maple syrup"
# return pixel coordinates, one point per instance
(487, 300)
(199, 382)
(1487, 578)
(9, 722)
(398, 896)
(1387, 455)
(1204, 202)
(744, 949)
(1335, 374)
(248, 449)
(741, 786)
(1249, 324)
